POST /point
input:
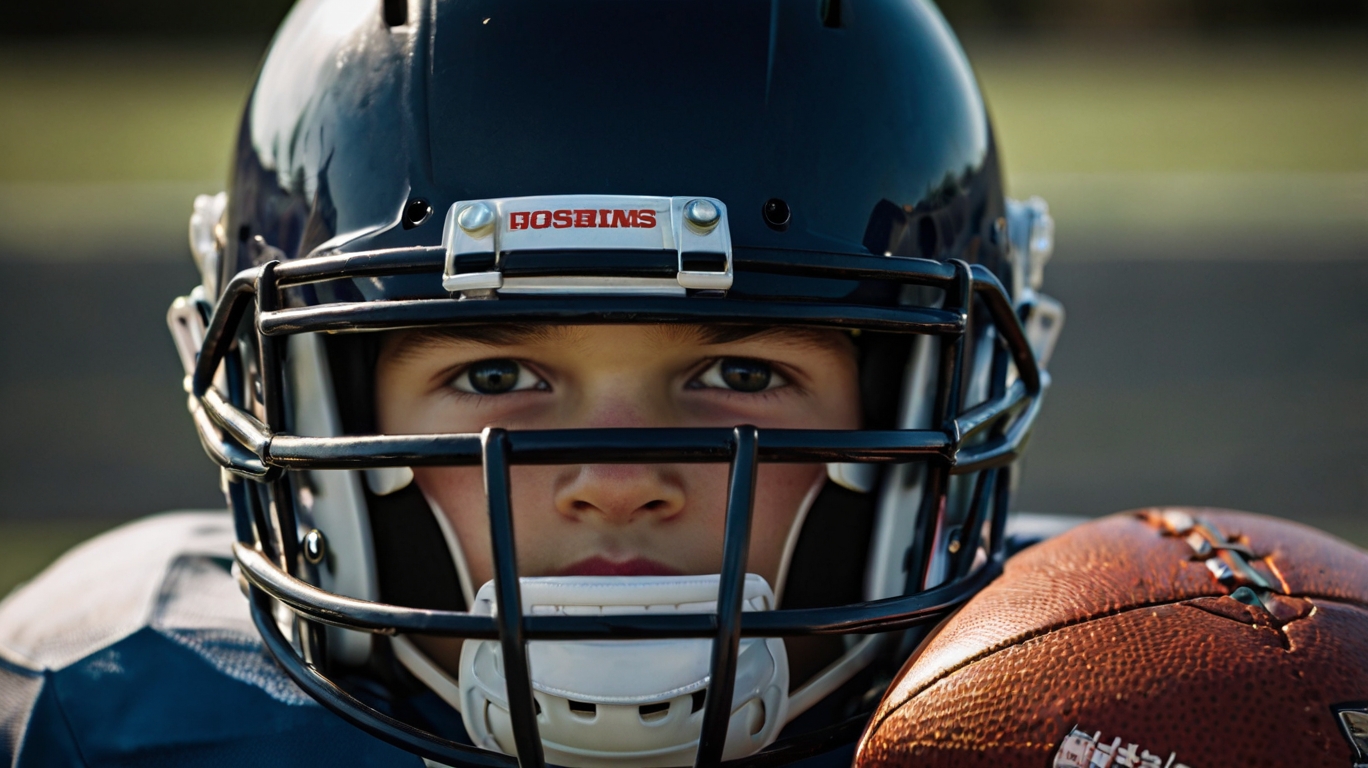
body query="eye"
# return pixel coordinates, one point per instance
(496, 377)
(741, 374)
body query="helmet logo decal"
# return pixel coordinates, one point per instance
(605, 218)
(587, 244)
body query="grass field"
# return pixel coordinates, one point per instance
(1178, 105)
(105, 141)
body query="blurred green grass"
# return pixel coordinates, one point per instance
(119, 111)
(1185, 105)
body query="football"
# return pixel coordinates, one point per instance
(1164, 637)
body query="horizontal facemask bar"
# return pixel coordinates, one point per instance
(417, 313)
(254, 448)
(843, 266)
(381, 618)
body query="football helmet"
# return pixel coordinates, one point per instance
(820, 163)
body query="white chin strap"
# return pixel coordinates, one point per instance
(625, 703)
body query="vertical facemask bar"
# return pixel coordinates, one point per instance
(272, 366)
(923, 541)
(730, 594)
(1000, 491)
(522, 708)
(259, 496)
(971, 532)
(949, 386)
(950, 383)
(1001, 498)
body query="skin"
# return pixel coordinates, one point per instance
(616, 519)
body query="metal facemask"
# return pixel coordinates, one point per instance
(970, 390)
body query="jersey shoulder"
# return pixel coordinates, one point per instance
(137, 648)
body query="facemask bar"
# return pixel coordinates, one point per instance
(251, 450)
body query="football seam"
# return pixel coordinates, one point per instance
(1016, 640)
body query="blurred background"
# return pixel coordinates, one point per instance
(1206, 162)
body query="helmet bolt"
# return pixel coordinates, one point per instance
(476, 217)
(954, 545)
(315, 547)
(701, 213)
(777, 214)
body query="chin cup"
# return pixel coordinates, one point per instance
(649, 710)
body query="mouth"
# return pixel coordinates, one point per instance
(601, 566)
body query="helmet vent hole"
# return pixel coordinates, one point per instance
(651, 713)
(831, 13)
(777, 214)
(416, 211)
(699, 697)
(395, 12)
(928, 239)
(583, 709)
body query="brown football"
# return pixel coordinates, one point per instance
(1164, 638)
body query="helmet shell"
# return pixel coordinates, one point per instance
(865, 121)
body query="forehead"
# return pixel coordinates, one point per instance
(406, 343)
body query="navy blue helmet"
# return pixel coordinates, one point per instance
(817, 163)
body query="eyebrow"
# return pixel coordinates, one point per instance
(494, 335)
(725, 334)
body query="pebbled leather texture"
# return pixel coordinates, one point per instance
(1202, 637)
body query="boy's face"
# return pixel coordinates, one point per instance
(614, 519)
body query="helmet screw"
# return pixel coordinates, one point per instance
(777, 214)
(476, 217)
(315, 547)
(701, 213)
(954, 546)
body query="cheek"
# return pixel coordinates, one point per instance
(779, 493)
(459, 492)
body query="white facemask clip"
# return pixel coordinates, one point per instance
(859, 478)
(382, 481)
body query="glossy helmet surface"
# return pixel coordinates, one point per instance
(846, 150)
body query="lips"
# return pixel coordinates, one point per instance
(601, 566)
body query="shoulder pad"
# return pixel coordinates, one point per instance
(110, 587)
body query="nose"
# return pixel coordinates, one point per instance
(619, 494)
